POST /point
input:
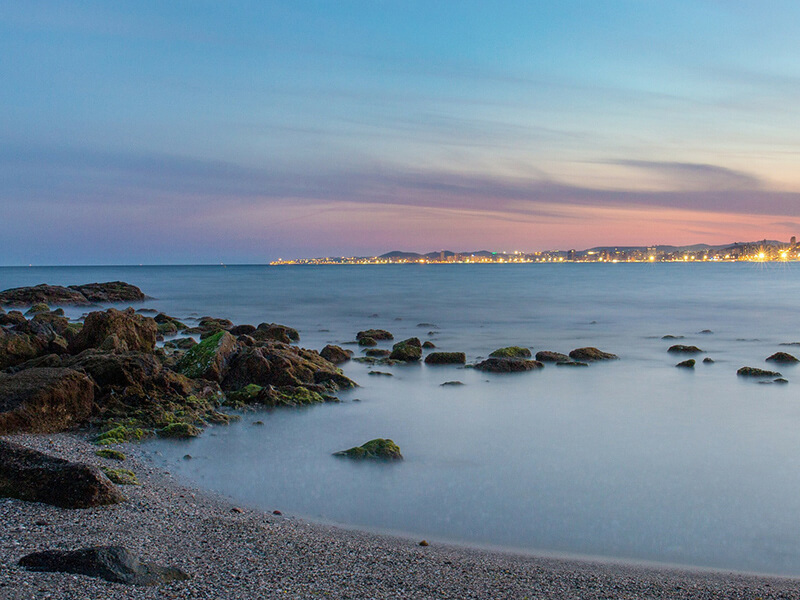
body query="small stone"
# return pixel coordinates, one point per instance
(708, 360)
(237, 510)
(686, 364)
(258, 422)
(187, 457)
(424, 543)
(277, 512)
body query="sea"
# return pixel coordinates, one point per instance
(632, 459)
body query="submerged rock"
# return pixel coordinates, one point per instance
(379, 448)
(782, 357)
(548, 356)
(756, 372)
(377, 353)
(708, 360)
(375, 334)
(671, 337)
(409, 350)
(446, 358)
(33, 476)
(590, 353)
(427, 345)
(335, 354)
(571, 363)
(511, 352)
(686, 364)
(681, 349)
(451, 383)
(367, 341)
(112, 563)
(508, 365)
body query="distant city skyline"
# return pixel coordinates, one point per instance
(161, 133)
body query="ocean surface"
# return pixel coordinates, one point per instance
(631, 459)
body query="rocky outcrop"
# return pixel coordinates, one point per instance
(782, 357)
(210, 358)
(446, 358)
(17, 348)
(276, 333)
(681, 349)
(375, 334)
(113, 291)
(30, 475)
(495, 364)
(377, 449)
(134, 331)
(511, 352)
(112, 563)
(591, 354)
(335, 354)
(756, 372)
(44, 400)
(409, 350)
(549, 356)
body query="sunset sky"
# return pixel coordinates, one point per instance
(203, 132)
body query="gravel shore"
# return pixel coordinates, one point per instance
(239, 553)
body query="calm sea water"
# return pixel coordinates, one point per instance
(634, 459)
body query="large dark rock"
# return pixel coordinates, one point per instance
(511, 352)
(589, 353)
(242, 330)
(446, 358)
(682, 349)
(30, 475)
(377, 449)
(12, 318)
(782, 357)
(44, 400)
(549, 356)
(495, 364)
(275, 332)
(210, 358)
(409, 350)
(16, 348)
(111, 291)
(756, 372)
(112, 563)
(375, 334)
(134, 331)
(281, 364)
(120, 369)
(335, 354)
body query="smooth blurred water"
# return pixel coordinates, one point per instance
(631, 459)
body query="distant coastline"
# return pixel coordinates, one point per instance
(763, 251)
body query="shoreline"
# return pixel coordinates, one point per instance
(233, 552)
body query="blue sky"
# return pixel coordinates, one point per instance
(163, 132)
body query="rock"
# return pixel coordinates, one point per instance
(12, 318)
(120, 476)
(591, 354)
(33, 476)
(168, 328)
(671, 337)
(275, 332)
(377, 352)
(17, 348)
(179, 431)
(686, 364)
(335, 354)
(571, 363)
(42, 293)
(508, 365)
(708, 360)
(280, 364)
(446, 358)
(424, 543)
(377, 449)
(111, 291)
(181, 343)
(548, 356)
(110, 454)
(375, 334)
(242, 330)
(44, 400)
(780, 380)
(427, 345)
(210, 358)
(112, 563)
(706, 332)
(39, 307)
(782, 357)
(367, 341)
(449, 383)
(136, 331)
(409, 350)
(511, 352)
(755, 372)
(47, 323)
(380, 373)
(681, 349)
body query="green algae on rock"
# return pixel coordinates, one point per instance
(120, 476)
(179, 430)
(511, 352)
(209, 358)
(590, 353)
(409, 350)
(110, 454)
(377, 449)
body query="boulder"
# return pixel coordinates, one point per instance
(367, 341)
(12, 318)
(708, 360)
(44, 400)
(377, 449)
(39, 307)
(16, 348)
(276, 396)
(755, 372)
(110, 291)
(681, 349)
(549, 356)
(335, 354)
(590, 354)
(427, 345)
(782, 357)
(686, 364)
(275, 332)
(511, 352)
(495, 364)
(138, 333)
(377, 352)
(446, 358)
(242, 330)
(210, 358)
(112, 563)
(375, 334)
(33, 476)
(409, 350)
(42, 293)
(51, 323)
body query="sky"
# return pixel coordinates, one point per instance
(204, 132)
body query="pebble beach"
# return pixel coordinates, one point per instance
(234, 552)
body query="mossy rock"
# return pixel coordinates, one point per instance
(682, 349)
(179, 431)
(120, 476)
(446, 358)
(782, 357)
(109, 453)
(247, 395)
(756, 372)
(377, 449)
(119, 434)
(367, 341)
(375, 334)
(550, 356)
(298, 396)
(591, 353)
(511, 352)
(571, 363)
(209, 358)
(409, 350)
(168, 328)
(41, 307)
(686, 364)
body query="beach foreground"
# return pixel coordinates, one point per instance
(231, 552)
